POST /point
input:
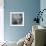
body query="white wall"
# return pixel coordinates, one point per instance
(1, 21)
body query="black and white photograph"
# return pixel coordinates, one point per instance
(17, 18)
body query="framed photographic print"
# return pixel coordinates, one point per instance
(16, 18)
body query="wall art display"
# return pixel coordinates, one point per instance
(17, 18)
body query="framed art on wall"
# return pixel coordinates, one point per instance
(16, 18)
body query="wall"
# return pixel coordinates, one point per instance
(29, 7)
(1, 21)
(43, 6)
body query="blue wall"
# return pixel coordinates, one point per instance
(29, 7)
